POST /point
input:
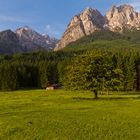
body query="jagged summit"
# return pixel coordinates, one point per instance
(117, 19)
(89, 21)
(9, 42)
(23, 40)
(122, 17)
(89, 10)
(125, 7)
(32, 40)
(25, 28)
(121, 7)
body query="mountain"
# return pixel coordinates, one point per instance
(9, 43)
(24, 40)
(106, 41)
(31, 40)
(81, 25)
(117, 19)
(50, 41)
(123, 17)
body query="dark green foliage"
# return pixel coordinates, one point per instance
(87, 72)
(52, 73)
(92, 70)
(102, 72)
(8, 77)
(27, 76)
(43, 78)
(34, 70)
(107, 40)
(103, 61)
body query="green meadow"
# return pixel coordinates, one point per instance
(69, 115)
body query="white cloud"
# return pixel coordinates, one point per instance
(4, 18)
(54, 31)
(51, 30)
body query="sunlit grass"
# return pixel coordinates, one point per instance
(68, 115)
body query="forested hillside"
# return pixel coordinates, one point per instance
(107, 40)
(103, 61)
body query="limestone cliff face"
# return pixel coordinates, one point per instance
(117, 19)
(122, 17)
(81, 25)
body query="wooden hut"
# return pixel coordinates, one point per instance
(53, 87)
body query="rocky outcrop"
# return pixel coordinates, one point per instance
(24, 40)
(31, 40)
(121, 18)
(9, 43)
(50, 41)
(117, 19)
(83, 24)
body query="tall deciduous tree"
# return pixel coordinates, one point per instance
(88, 73)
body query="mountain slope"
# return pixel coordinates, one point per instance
(81, 25)
(9, 43)
(118, 19)
(106, 40)
(31, 40)
(24, 40)
(123, 17)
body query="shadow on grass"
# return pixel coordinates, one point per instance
(130, 93)
(105, 98)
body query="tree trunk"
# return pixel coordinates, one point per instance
(95, 94)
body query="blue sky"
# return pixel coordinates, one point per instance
(50, 16)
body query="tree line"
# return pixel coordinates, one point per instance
(99, 70)
(104, 71)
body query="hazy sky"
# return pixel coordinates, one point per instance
(50, 16)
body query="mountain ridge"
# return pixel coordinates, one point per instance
(33, 40)
(117, 19)
(23, 40)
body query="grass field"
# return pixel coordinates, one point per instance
(65, 115)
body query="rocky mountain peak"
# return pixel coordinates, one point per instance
(122, 17)
(7, 32)
(117, 19)
(25, 28)
(93, 15)
(24, 40)
(90, 11)
(121, 8)
(125, 7)
(9, 42)
(89, 21)
(32, 40)
(26, 31)
(8, 35)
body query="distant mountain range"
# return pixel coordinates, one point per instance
(117, 19)
(24, 40)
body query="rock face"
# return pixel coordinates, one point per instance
(24, 40)
(9, 43)
(121, 18)
(83, 24)
(91, 20)
(31, 40)
(50, 41)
